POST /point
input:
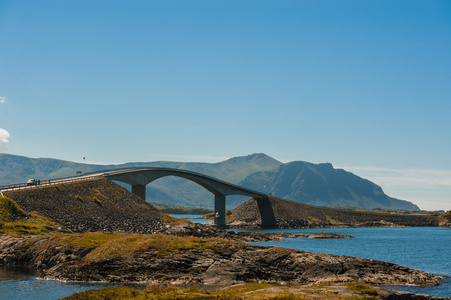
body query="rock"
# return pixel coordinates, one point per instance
(284, 214)
(327, 235)
(228, 263)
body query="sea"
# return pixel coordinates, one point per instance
(422, 248)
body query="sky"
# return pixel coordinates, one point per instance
(364, 85)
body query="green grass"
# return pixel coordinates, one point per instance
(9, 210)
(97, 201)
(172, 220)
(15, 221)
(84, 240)
(107, 245)
(249, 291)
(34, 224)
(125, 245)
(362, 288)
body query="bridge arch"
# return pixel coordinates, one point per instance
(138, 178)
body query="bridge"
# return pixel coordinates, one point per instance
(138, 178)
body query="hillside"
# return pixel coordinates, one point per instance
(314, 184)
(93, 205)
(278, 213)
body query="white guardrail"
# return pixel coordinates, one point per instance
(18, 186)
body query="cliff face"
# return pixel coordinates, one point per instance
(278, 213)
(94, 205)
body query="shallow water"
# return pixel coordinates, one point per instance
(23, 284)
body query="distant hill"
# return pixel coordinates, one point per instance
(314, 184)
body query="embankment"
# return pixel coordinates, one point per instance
(278, 213)
(91, 205)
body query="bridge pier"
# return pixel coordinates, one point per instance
(139, 190)
(220, 208)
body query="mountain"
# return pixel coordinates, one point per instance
(304, 182)
(322, 185)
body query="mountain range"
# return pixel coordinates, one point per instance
(304, 182)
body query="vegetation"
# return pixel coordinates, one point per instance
(447, 216)
(9, 210)
(239, 291)
(14, 221)
(229, 217)
(173, 220)
(124, 244)
(97, 201)
(445, 219)
(362, 288)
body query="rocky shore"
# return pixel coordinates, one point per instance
(148, 258)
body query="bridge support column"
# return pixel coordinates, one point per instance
(139, 190)
(220, 208)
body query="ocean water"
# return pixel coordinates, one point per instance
(426, 249)
(23, 284)
(190, 217)
(422, 248)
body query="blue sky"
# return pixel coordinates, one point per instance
(365, 85)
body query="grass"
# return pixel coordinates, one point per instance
(173, 220)
(97, 201)
(9, 210)
(84, 240)
(362, 289)
(126, 245)
(107, 245)
(250, 291)
(15, 221)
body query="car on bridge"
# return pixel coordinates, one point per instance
(32, 182)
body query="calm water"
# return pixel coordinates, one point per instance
(426, 249)
(190, 217)
(23, 284)
(422, 248)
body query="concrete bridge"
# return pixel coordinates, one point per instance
(138, 178)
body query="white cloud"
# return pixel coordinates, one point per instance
(4, 136)
(2, 100)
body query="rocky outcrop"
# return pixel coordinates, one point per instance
(273, 212)
(91, 205)
(199, 230)
(221, 263)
